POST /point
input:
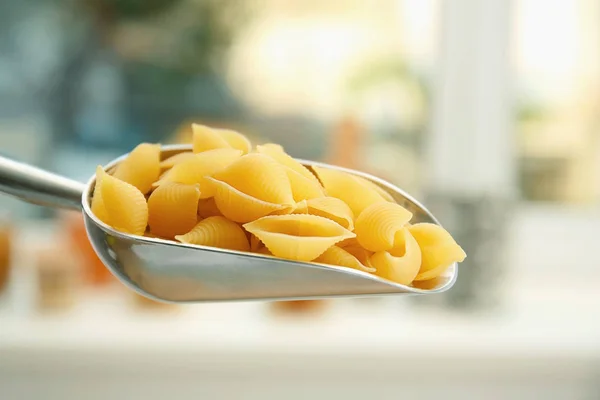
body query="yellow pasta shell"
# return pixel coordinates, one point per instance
(378, 224)
(361, 254)
(98, 207)
(161, 178)
(341, 257)
(299, 237)
(303, 188)
(208, 208)
(264, 250)
(236, 140)
(298, 208)
(428, 234)
(217, 232)
(432, 273)
(301, 207)
(351, 189)
(207, 138)
(332, 208)
(195, 170)
(401, 264)
(284, 211)
(277, 152)
(240, 207)
(350, 242)
(258, 176)
(438, 247)
(304, 184)
(429, 284)
(172, 209)
(125, 206)
(141, 167)
(255, 243)
(176, 159)
(381, 191)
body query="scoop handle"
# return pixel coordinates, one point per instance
(37, 186)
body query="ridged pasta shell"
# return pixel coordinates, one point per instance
(141, 168)
(304, 184)
(432, 273)
(284, 211)
(176, 159)
(351, 189)
(240, 207)
(277, 152)
(264, 250)
(206, 138)
(172, 209)
(258, 176)
(161, 178)
(236, 140)
(332, 208)
(428, 234)
(303, 188)
(255, 243)
(208, 208)
(382, 192)
(299, 237)
(350, 242)
(125, 206)
(401, 264)
(217, 232)
(439, 249)
(341, 257)
(378, 224)
(195, 170)
(301, 207)
(361, 254)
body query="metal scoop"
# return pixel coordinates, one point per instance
(173, 272)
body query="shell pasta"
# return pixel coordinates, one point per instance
(227, 194)
(378, 225)
(141, 167)
(173, 209)
(120, 204)
(299, 237)
(217, 232)
(197, 169)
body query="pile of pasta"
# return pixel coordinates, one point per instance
(228, 194)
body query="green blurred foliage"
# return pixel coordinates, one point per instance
(198, 32)
(127, 10)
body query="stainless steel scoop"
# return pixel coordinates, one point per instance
(172, 272)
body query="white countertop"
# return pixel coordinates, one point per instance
(542, 322)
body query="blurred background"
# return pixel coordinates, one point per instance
(486, 110)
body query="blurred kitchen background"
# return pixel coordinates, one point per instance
(487, 110)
